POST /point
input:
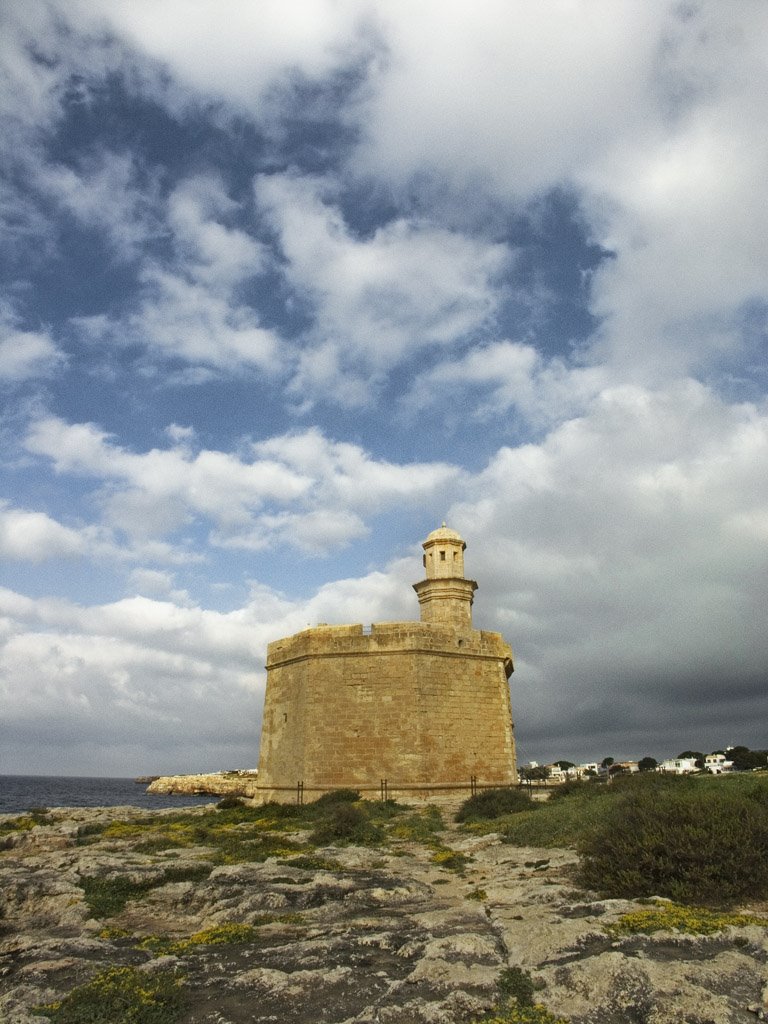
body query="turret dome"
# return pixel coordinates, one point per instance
(445, 533)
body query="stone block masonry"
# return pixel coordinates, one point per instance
(424, 705)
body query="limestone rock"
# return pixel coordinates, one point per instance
(359, 936)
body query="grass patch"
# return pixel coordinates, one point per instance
(673, 917)
(313, 862)
(422, 826)
(453, 860)
(554, 822)
(517, 1005)
(106, 897)
(229, 934)
(234, 835)
(513, 1014)
(24, 822)
(122, 995)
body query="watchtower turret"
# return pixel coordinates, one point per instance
(445, 596)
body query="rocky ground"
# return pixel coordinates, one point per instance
(354, 934)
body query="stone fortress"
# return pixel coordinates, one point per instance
(404, 709)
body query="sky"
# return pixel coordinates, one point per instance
(285, 286)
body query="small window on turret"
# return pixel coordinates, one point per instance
(442, 556)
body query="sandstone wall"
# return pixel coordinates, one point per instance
(410, 702)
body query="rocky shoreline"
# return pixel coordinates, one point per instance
(384, 935)
(240, 784)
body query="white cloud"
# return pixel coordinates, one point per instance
(300, 489)
(214, 253)
(189, 320)
(158, 584)
(506, 376)
(653, 115)
(25, 354)
(238, 58)
(105, 192)
(381, 299)
(513, 97)
(624, 557)
(180, 685)
(187, 307)
(140, 674)
(35, 537)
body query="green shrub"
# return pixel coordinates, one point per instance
(275, 812)
(121, 995)
(383, 810)
(578, 787)
(517, 984)
(227, 803)
(493, 803)
(337, 796)
(346, 823)
(694, 843)
(564, 819)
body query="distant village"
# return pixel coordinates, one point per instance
(689, 762)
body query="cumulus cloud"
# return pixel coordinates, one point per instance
(648, 114)
(620, 544)
(512, 98)
(377, 300)
(188, 306)
(178, 685)
(34, 536)
(239, 58)
(621, 566)
(301, 489)
(139, 674)
(105, 192)
(507, 376)
(25, 354)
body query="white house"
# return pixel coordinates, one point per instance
(678, 766)
(579, 771)
(717, 764)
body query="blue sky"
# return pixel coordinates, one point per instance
(285, 289)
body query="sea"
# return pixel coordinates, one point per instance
(22, 792)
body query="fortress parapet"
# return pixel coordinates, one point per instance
(388, 638)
